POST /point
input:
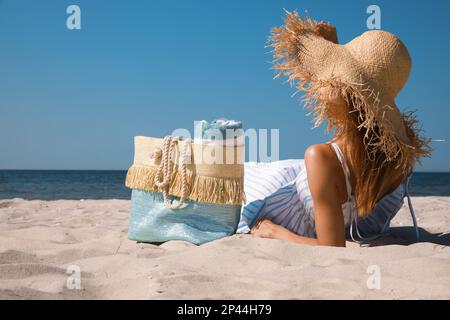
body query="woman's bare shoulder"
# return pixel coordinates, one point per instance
(322, 157)
(319, 152)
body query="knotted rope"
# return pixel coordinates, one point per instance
(165, 170)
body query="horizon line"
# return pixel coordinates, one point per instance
(127, 170)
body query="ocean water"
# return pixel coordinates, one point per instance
(63, 184)
(90, 184)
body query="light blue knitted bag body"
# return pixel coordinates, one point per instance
(196, 222)
(176, 197)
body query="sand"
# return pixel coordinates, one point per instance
(43, 242)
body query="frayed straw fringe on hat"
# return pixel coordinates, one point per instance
(369, 71)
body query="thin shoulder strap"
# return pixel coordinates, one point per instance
(341, 158)
(386, 225)
(410, 206)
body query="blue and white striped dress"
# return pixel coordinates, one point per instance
(279, 191)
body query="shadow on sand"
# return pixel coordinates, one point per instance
(406, 236)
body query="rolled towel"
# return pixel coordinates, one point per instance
(224, 131)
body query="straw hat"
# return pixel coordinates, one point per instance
(368, 71)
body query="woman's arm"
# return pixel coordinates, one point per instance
(323, 173)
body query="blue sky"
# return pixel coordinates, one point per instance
(74, 99)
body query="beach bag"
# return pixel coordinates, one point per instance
(184, 191)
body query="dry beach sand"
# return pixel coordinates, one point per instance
(40, 240)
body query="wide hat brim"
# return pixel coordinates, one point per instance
(369, 77)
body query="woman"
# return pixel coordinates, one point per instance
(374, 148)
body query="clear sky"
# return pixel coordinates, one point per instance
(74, 99)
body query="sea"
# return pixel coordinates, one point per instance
(90, 184)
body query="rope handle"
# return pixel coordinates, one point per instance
(165, 169)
